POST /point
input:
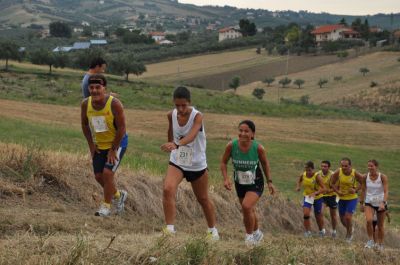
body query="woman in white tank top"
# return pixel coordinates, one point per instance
(187, 147)
(374, 195)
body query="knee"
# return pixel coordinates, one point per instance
(169, 192)
(204, 201)
(247, 208)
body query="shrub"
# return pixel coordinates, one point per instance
(338, 78)
(269, 80)
(299, 82)
(373, 84)
(285, 81)
(259, 93)
(364, 70)
(305, 100)
(322, 82)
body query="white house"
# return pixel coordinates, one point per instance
(333, 33)
(229, 33)
(98, 34)
(157, 36)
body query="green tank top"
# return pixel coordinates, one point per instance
(244, 164)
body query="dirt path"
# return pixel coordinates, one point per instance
(220, 126)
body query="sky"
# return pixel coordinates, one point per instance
(340, 7)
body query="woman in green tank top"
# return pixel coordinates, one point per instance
(247, 156)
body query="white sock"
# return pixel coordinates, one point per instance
(171, 228)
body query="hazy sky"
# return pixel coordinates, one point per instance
(342, 7)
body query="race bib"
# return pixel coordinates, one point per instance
(376, 200)
(309, 199)
(245, 177)
(99, 124)
(184, 156)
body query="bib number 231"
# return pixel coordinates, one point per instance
(185, 155)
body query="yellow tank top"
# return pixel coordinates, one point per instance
(310, 185)
(101, 124)
(347, 182)
(326, 179)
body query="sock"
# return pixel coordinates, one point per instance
(171, 228)
(117, 195)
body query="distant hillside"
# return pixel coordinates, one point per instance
(26, 12)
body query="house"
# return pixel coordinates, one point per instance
(229, 33)
(375, 29)
(85, 24)
(98, 42)
(81, 46)
(78, 30)
(333, 33)
(157, 36)
(44, 33)
(62, 49)
(166, 42)
(98, 34)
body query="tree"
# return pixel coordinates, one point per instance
(364, 70)
(60, 29)
(259, 93)
(127, 64)
(322, 82)
(285, 81)
(247, 28)
(235, 82)
(299, 82)
(343, 22)
(87, 31)
(269, 80)
(9, 51)
(43, 57)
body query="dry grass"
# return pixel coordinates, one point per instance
(383, 68)
(54, 224)
(220, 126)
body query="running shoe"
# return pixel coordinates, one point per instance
(379, 247)
(103, 211)
(322, 232)
(120, 203)
(307, 234)
(334, 233)
(168, 232)
(369, 244)
(249, 241)
(258, 236)
(212, 235)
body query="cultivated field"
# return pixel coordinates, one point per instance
(384, 68)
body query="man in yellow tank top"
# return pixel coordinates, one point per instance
(329, 196)
(103, 124)
(314, 189)
(346, 182)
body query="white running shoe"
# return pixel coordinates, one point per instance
(249, 241)
(322, 232)
(213, 235)
(307, 234)
(370, 244)
(103, 211)
(120, 203)
(334, 233)
(168, 232)
(258, 236)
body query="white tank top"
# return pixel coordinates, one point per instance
(374, 191)
(191, 157)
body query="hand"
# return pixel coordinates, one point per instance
(112, 157)
(228, 184)
(271, 188)
(168, 147)
(362, 207)
(381, 206)
(93, 149)
(352, 190)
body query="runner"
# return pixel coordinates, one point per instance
(329, 197)
(103, 124)
(97, 66)
(187, 145)
(247, 154)
(374, 194)
(314, 189)
(346, 182)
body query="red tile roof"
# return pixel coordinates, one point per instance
(227, 29)
(156, 33)
(327, 29)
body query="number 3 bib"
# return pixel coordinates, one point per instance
(184, 156)
(245, 177)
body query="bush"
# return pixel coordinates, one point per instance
(305, 100)
(269, 80)
(364, 70)
(285, 81)
(299, 82)
(338, 78)
(259, 93)
(322, 82)
(373, 84)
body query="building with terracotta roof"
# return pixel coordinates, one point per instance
(333, 33)
(157, 36)
(229, 33)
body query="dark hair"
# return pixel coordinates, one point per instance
(249, 123)
(182, 92)
(326, 162)
(346, 159)
(97, 62)
(98, 79)
(373, 161)
(309, 164)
